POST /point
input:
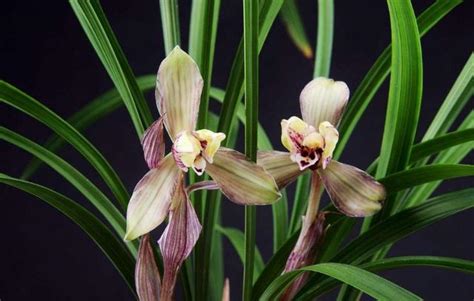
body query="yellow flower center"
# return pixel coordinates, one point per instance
(194, 149)
(309, 147)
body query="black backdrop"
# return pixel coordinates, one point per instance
(45, 53)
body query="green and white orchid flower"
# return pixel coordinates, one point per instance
(162, 191)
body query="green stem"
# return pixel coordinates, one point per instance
(251, 112)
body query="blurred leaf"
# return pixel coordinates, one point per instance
(25, 103)
(371, 284)
(236, 237)
(112, 247)
(73, 176)
(100, 34)
(290, 16)
(395, 228)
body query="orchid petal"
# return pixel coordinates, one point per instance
(186, 149)
(242, 181)
(154, 144)
(147, 276)
(202, 185)
(331, 136)
(323, 99)
(151, 199)
(304, 253)
(212, 141)
(352, 191)
(178, 92)
(279, 166)
(178, 239)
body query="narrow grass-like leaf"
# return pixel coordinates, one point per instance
(455, 264)
(425, 174)
(100, 34)
(291, 17)
(27, 104)
(379, 71)
(434, 146)
(322, 63)
(73, 176)
(170, 24)
(373, 285)
(112, 247)
(453, 155)
(460, 93)
(236, 237)
(251, 84)
(395, 228)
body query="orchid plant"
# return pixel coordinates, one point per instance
(313, 251)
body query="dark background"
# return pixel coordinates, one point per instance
(44, 52)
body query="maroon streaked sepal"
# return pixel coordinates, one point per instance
(154, 144)
(147, 276)
(178, 239)
(279, 166)
(353, 191)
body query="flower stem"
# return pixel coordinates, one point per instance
(314, 198)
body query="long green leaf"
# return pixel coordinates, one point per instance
(322, 63)
(236, 238)
(73, 176)
(460, 93)
(170, 24)
(100, 34)
(291, 17)
(379, 71)
(455, 264)
(112, 247)
(425, 174)
(23, 102)
(373, 285)
(395, 228)
(404, 99)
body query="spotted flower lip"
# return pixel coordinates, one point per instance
(162, 191)
(311, 141)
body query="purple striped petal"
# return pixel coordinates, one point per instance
(323, 99)
(279, 166)
(242, 181)
(154, 144)
(353, 192)
(178, 239)
(151, 198)
(178, 92)
(147, 276)
(202, 185)
(304, 253)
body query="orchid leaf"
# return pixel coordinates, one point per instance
(395, 228)
(170, 23)
(27, 104)
(455, 264)
(73, 176)
(236, 238)
(458, 96)
(290, 16)
(379, 71)
(324, 39)
(425, 174)
(373, 285)
(112, 247)
(100, 34)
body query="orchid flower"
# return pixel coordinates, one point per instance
(311, 142)
(162, 191)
